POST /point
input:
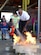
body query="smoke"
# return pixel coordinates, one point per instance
(19, 33)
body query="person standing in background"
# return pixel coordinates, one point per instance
(4, 27)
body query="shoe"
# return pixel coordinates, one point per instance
(4, 39)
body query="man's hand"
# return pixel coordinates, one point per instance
(24, 30)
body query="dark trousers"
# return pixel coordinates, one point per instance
(16, 32)
(22, 25)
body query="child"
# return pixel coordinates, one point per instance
(15, 22)
(11, 29)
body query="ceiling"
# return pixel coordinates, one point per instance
(11, 2)
(15, 2)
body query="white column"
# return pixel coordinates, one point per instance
(38, 18)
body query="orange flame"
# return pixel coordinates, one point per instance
(29, 39)
(16, 39)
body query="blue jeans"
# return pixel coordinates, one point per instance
(4, 30)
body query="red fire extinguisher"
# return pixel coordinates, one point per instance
(12, 31)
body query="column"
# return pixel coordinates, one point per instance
(24, 4)
(38, 18)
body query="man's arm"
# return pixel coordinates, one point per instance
(24, 29)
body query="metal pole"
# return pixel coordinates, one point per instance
(38, 18)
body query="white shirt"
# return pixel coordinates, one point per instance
(24, 17)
